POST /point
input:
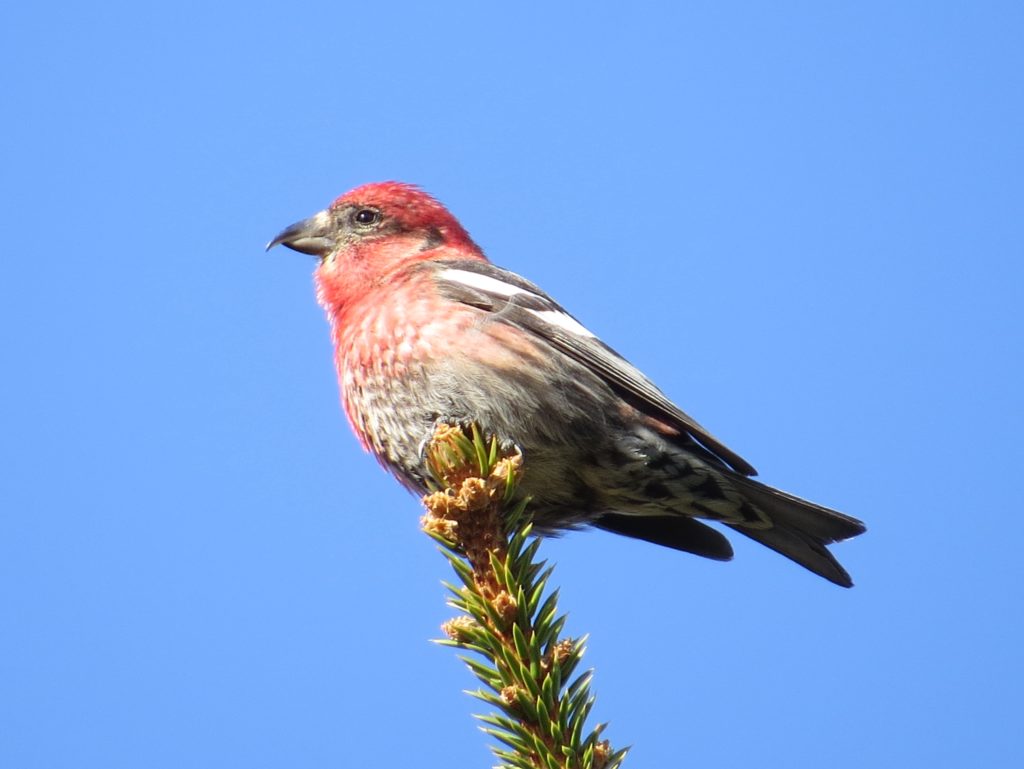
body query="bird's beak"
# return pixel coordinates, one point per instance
(310, 236)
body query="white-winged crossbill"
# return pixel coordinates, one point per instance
(427, 330)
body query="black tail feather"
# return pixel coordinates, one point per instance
(801, 547)
(679, 532)
(800, 529)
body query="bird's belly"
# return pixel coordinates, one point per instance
(558, 425)
(393, 418)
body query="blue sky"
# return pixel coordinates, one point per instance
(805, 221)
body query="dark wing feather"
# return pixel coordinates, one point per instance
(521, 302)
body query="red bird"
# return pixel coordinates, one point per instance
(427, 330)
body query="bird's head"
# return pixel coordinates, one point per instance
(369, 235)
(372, 230)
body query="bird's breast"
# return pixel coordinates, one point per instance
(391, 358)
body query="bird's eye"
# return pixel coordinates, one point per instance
(366, 216)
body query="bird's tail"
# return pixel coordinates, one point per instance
(800, 529)
(794, 527)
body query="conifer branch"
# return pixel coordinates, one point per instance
(509, 620)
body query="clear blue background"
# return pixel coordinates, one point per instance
(804, 220)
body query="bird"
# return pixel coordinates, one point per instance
(426, 330)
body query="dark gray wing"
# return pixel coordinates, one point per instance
(520, 302)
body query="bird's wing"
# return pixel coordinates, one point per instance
(520, 302)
